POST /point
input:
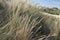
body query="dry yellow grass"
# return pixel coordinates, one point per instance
(22, 18)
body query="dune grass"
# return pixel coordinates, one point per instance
(22, 21)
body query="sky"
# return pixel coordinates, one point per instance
(48, 3)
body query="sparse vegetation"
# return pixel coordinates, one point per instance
(22, 21)
(53, 10)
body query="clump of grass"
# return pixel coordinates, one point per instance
(22, 21)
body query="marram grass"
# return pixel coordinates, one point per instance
(22, 21)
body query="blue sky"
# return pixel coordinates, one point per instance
(48, 3)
